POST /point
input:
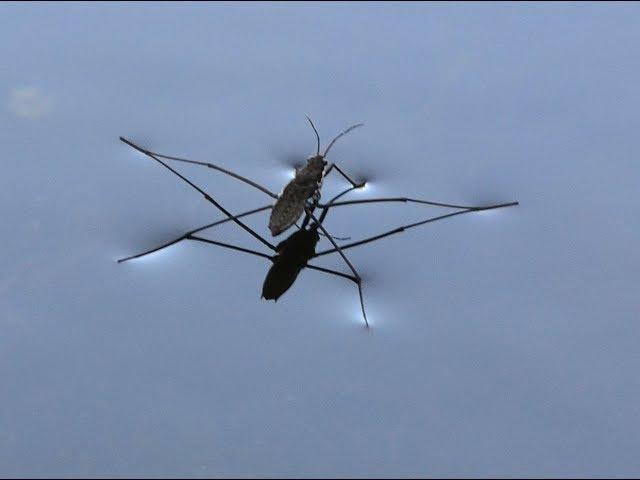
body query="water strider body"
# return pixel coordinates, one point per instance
(304, 189)
(290, 204)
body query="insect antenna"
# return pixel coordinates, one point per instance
(352, 127)
(317, 135)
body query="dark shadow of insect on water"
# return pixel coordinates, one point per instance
(300, 196)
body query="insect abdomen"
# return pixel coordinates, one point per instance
(290, 204)
(288, 208)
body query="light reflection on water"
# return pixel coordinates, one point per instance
(155, 257)
(368, 188)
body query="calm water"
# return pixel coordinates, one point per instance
(503, 342)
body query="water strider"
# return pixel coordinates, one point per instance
(300, 196)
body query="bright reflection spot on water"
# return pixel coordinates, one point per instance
(357, 318)
(288, 174)
(162, 254)
(493, 212)
(367, 188)
(371, 190)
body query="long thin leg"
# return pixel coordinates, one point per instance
(260, 254)
(214, 167)
(228, 245)
(263, 255)
(205, 194)
(411, 225)
(325, 207)
(333, 272)
(196, 230)
(270, 258)
(405, 200)
(346, 177)
(344, 257)
(342, 239)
